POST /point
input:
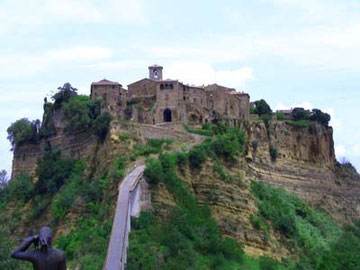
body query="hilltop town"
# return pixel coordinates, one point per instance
(154, 100)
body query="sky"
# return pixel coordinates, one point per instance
(290, 53)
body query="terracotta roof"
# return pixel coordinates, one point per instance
(105, 82)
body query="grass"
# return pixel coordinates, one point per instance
(299, 123)
(153, 146)
(203, 132)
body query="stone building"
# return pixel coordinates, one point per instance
(154, 100)
(112, 95)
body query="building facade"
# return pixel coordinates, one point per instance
(154, 100)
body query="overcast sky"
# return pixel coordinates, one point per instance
(291, 53)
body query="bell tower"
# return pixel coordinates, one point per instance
(155, 73)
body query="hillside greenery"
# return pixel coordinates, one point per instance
(80, 114)
(68, 193)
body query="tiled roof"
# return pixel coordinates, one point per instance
(105, 82)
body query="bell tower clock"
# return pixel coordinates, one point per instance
(155, 73)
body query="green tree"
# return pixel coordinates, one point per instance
(261, 107)
(64, 94)
(101, 125)
(300, 114)
(320, 117)
(23, 130)
(80, 112)
(52, 171)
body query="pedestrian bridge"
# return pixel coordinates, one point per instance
(128, 204)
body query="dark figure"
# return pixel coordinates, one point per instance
(44, 257)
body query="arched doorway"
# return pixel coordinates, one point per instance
(167, 115)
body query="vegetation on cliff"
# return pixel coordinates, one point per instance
(80, 114)
(311, 235)
(189, 238)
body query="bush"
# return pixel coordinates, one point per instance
(309, 229)
(181, 159)
(19, 189)
(273, 152)
(197, 156)
(22, 131)
(101, 125)
(254, 145)
(63, 200)
(153, 146)
(280, 116)
(52, 171)
(154, 171)
(231, 249)
(205, 131)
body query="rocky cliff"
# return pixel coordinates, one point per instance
(304, 164)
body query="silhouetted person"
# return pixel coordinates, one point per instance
(44, 257)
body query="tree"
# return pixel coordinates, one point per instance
(300, 114)
(101, 125)
(63, 95)
(320, 117)
(23, 130)
(261, 107)
(80, 111)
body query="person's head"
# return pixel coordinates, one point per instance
(45, 238)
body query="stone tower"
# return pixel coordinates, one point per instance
(155, 73)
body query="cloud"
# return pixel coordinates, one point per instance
(35, 13)
(200, 73)
(26, 64)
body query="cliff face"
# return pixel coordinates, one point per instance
(81, 145)
(304, 166)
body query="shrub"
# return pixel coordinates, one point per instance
(63, 200)
(273, 152)
(52, 171)
(181, 159)
(101, 125)
(154, 171)
(231, 249)
(197, 156)
(153, 146)
(218, 168)
(280, 116)
(19, 189)
(120, 167)
(254, 145)
(204, 131)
